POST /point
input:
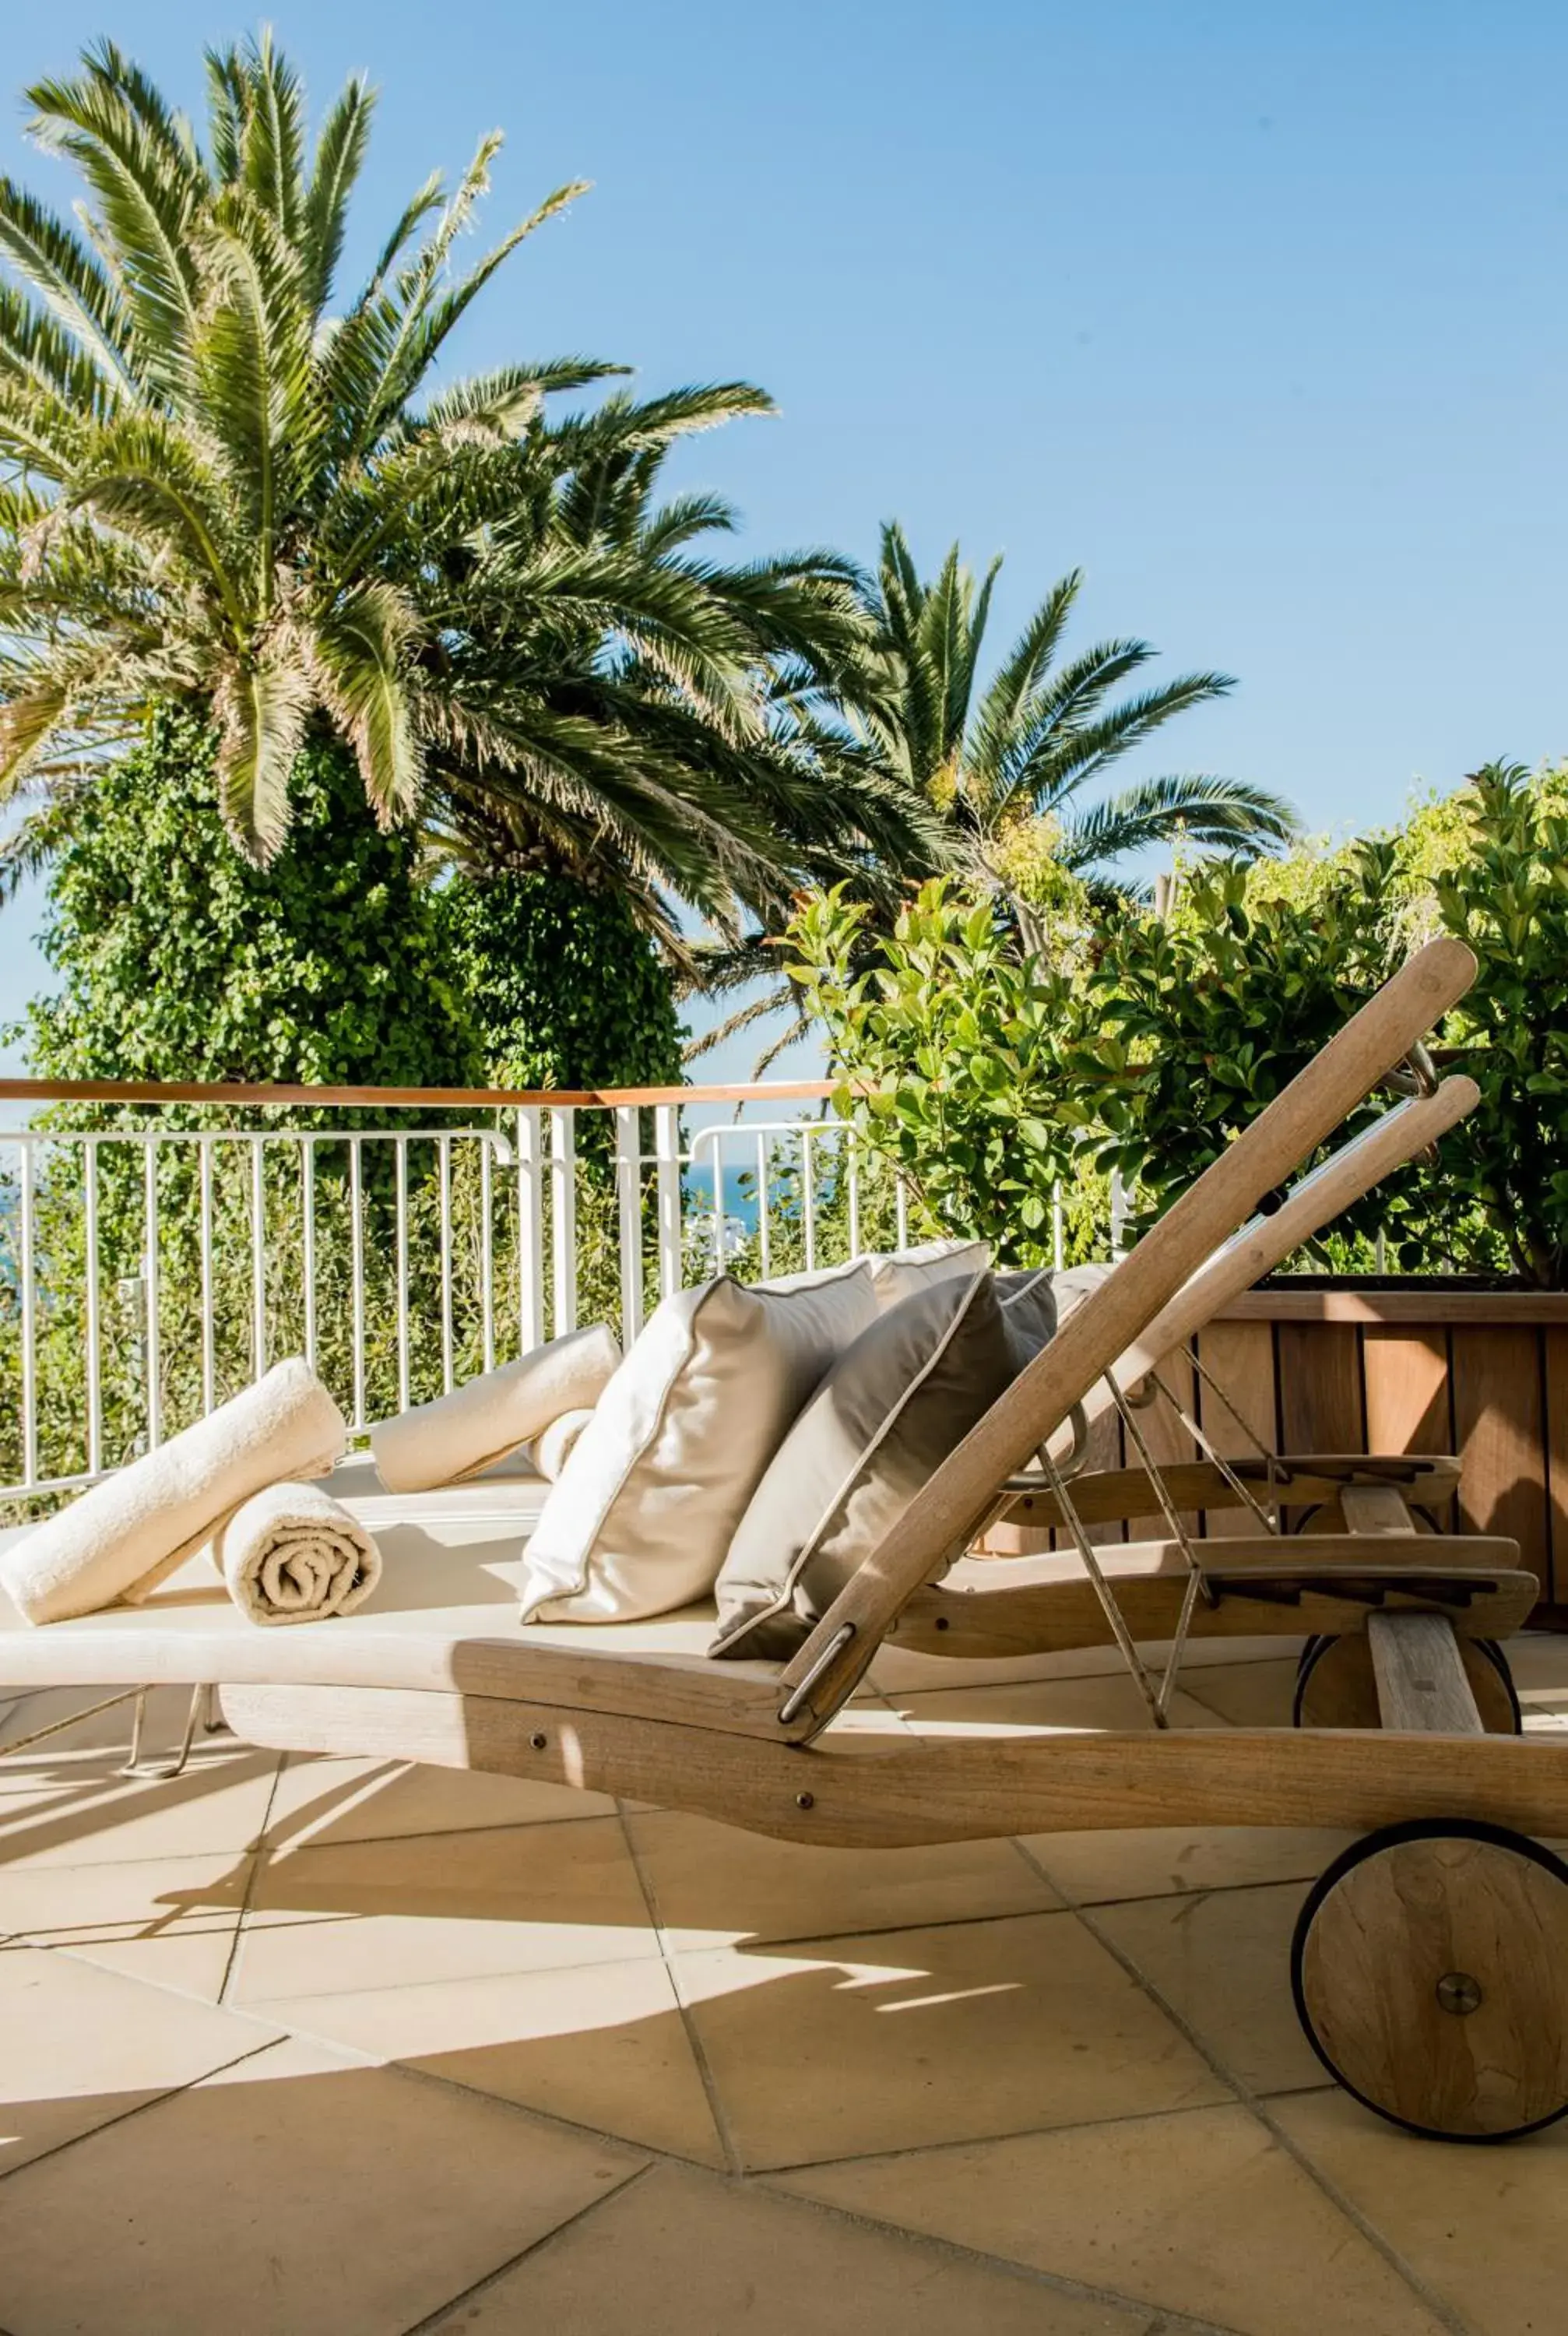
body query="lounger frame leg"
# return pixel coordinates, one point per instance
(137, 1765)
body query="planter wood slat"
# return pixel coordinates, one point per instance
(1408, 1407)
(1499, 1425)
(1481, 1373)
(1555, 1356)
(1241, 1355)
(1168, 1441)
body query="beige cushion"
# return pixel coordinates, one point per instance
(900, 1274)
(883, 1420)
(1075, 1286)
(652, 1490)
(461, 1433)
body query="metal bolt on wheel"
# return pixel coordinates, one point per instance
(1430, 1974)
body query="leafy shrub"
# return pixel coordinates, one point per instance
(180, 961)
(566, 992)
(1149, 1046)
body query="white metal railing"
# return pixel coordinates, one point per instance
(148, 1271)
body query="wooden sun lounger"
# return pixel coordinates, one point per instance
(1431, 1967)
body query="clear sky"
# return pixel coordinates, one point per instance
(1259, 313)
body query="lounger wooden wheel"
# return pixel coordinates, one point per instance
(1337, 1684)
(1430, 1972)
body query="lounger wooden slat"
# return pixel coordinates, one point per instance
(1306, 1479)
(1266, 1594)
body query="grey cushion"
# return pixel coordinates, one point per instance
(890, 1410)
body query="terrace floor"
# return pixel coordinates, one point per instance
(326, 2048)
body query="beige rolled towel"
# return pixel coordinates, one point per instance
(125, 1534)
(461, 1433)
(550, 1451)
(294, 1554)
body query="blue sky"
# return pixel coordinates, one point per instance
(1260, 315)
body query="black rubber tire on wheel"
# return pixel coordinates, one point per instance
(1429, 1970)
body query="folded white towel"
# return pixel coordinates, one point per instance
(123, 1536)
(294, 1554)
(550, 1451)
(461, 1433)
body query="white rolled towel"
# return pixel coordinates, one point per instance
(461, 1433)
(550, 1451)
(121, 1538)
(292, 1553)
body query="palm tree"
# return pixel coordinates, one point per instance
(225, 488)
(994, 762)
(584, 752)
(1028, 743)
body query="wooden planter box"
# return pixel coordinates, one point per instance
(1341, 1369)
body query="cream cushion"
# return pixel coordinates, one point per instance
(651, 1493)
(898, 1273)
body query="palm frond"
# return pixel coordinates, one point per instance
(262, 710)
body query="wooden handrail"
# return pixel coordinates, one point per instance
(399, 1098)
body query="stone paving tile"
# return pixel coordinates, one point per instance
(71, 1809)
(710, 1884)
(300, 2193)
(82, 2046)
(676, 2254)
(327, 1801)
(1244, 1695)
(352, 1915)
(842, 2046)
(603, 2046)
(172, 1921)
(1098, 1868)
(1222, 1962)
(1483, 2226)
(1200, 2212)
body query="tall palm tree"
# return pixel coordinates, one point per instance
(907, 707)
(1037, 737)
(225, 486)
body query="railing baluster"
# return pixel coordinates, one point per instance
(563, 1216)
(530, 1230)
(94, 1329)
(400, 1242)
(258, 1258)
(764, 1224)
(851, 1153)
(443, 1169)
(486, 1255)
(902, 1211)
(152, 1342)
(204, 1247)
(28, 1293)
(809, 1195)
(719, 1258)
(356, 1275)
(308, 1221)
(1058, 1227)
(628, 1208)
(667, 1159)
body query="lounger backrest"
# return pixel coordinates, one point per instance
(943, 1516)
